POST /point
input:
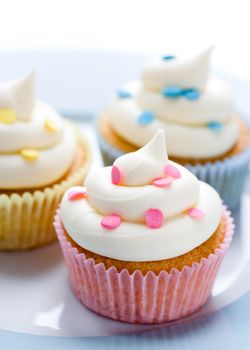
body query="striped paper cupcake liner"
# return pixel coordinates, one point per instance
(227, 176)
(139, 298)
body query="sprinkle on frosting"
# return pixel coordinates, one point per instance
(176, 91)
(29, 154)
(146, 117)
(111, 222)
(162, 182)
(191, 94)
(172, 171)
(154, 218)
(50, 125)
(121, 93)
(196, 213)
(7, 116)
(215, 126)
(168, 57)
(76, 195)
(115, 175)
(172, 91)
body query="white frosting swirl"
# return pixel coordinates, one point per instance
(214, 104)
(183, 140)
(185, 121)
(36, 128)
(52, 163)
(133, 240)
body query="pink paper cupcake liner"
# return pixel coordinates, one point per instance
(139, 298)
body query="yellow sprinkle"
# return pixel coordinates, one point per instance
(29, 154)
(50, 125)
(7, 116)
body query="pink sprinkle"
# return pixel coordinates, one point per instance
(76, 195)
(115, 175)
(162, 182)
(196, 213)
(111, 222)
(172, 171)
(154, 218)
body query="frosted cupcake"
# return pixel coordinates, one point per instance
(197, 110)
(40, 158)
(144, 239)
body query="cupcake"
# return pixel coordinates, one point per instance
(144, 239)
(195, 108)
(41, 156)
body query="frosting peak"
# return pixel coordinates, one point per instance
(149, 181)
(19, 96)
(35, 147)
(186, 72)
(143, 166)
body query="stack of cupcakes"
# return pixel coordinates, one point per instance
(144, 239)
(195, 108)
(40, 158)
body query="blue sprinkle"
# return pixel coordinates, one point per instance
(191, 94)
(215, 126)
(172, 91)
(168, 57)
(146, 118)
(124, 94)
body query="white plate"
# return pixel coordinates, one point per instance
(35, 297)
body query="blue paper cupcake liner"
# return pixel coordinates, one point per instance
(227, 176)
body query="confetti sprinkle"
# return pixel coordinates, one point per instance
(7, 116)
(172, 91)
(115, 175)
(50, 125)
(162, 182)
(124, 94)
(215, 126)
(76, 195)
(176, 91)
(196, 213)
(111, 222)
(191, 94)
(168, 57)
(172, 171)
(29, 154)
(154, 218)
(146, 118)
